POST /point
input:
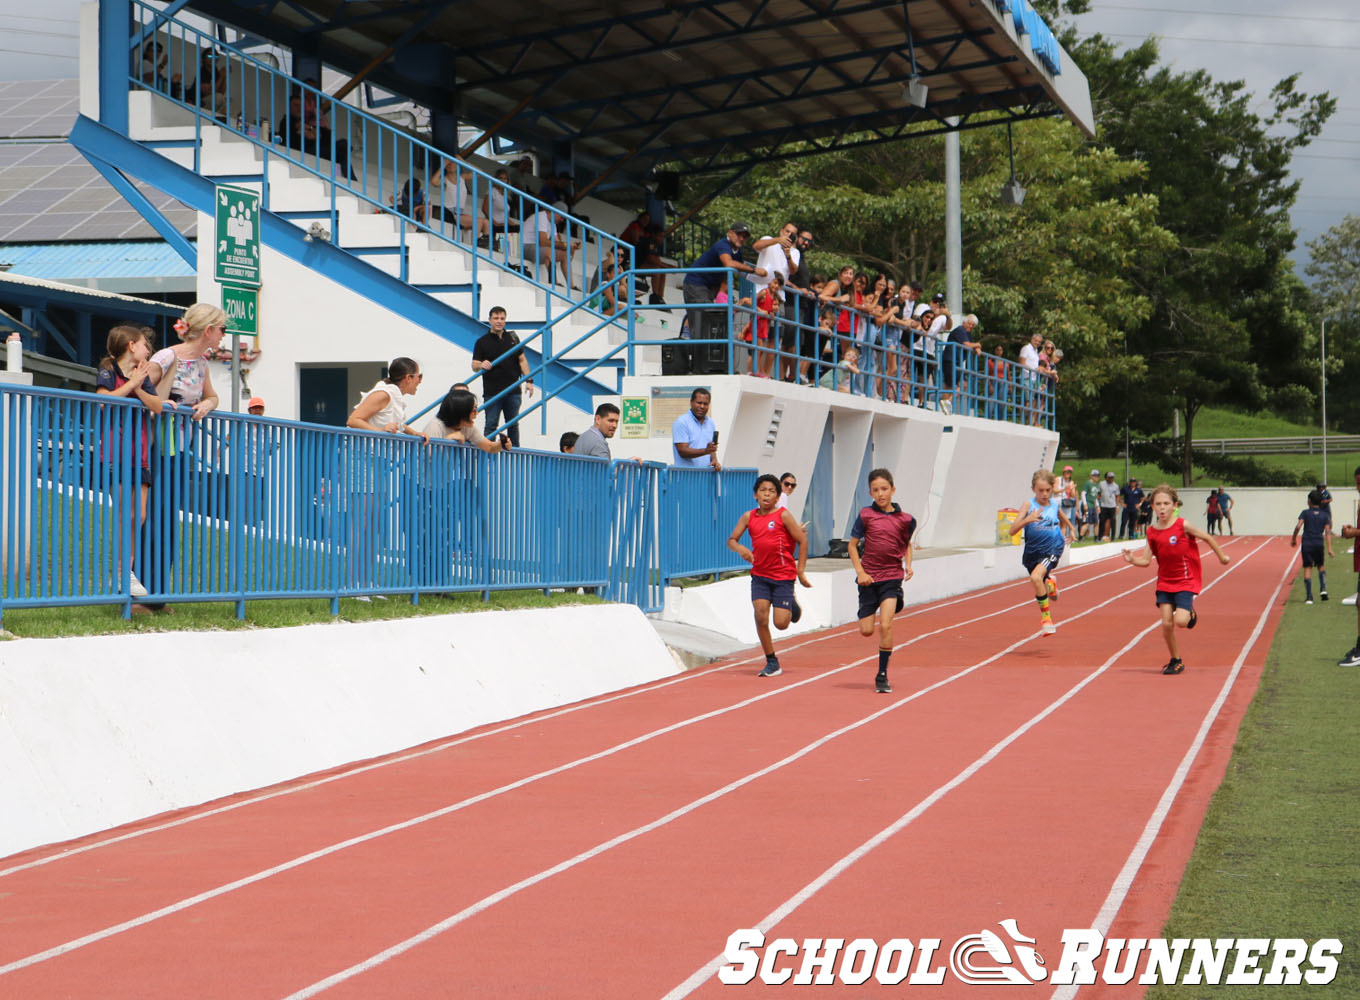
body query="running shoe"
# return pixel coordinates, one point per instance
(1046, 625)
(1323, 595)
(881, 684)
(135, 587)
(1351, 659)
(772, 669)
(1052, 588)
(1194, 619)
(797, 611)
(1309, 601)
(1174, 667)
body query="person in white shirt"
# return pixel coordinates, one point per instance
(777, 255)
(1031, 396)
(543, 244)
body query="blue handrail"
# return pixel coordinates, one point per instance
(98, 498)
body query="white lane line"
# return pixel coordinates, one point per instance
(707, 971)
(497, 897)
(834, 633)
(1124, 880)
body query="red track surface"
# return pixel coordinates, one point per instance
(608, 850)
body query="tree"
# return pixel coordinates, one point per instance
(1059, 263)
(1223, 328)
(1335, 269)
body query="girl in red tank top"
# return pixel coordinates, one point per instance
(777, 555)
(1175, 546)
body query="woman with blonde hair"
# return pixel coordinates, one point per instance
(181, 372)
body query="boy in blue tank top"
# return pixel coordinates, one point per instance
(1045, 527)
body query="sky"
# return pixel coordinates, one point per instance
(1257, 41)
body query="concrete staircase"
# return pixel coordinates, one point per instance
(452, 274)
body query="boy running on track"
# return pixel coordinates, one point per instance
(774, 535)
(1173, 543)
(885, 530)
(1316, 525)
(1045, 527)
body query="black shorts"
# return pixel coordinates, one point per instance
(778, 592)
(1314, 556)
(1183, 600)
(876, 593)
(1031, 559)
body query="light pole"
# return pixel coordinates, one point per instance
(1324, 397)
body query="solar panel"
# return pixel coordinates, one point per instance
(48, 192)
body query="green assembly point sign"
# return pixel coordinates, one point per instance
(242, 306)
(237, 249)
(634, 423)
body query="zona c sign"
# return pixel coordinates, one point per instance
(242, 306)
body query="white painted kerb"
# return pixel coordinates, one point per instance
(99, 731)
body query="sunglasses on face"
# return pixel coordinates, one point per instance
(789, 484)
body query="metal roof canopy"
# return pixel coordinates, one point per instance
(698, 85)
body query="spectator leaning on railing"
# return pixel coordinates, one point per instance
(700, 287)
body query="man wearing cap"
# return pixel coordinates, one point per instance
(259, 445)
(1109, 504)
(702, 286)
(1090, 504)
(1132, 497)
(1067, 494)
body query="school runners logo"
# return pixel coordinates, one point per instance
(1002, 971)
(1011, 959)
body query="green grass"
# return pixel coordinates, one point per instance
(1216, 423)
(1279, 852)
(220, 616)
(1339, 469)
(1212, 422)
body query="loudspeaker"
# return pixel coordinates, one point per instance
(668, 186)
(676, 358)
(710, 359)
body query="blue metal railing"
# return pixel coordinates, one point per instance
(97, 496)
(388, 170)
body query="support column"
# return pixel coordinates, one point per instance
(115, 22)
(953, 222)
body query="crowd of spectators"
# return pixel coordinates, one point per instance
(859, 331)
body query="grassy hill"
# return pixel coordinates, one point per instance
(1216, 423)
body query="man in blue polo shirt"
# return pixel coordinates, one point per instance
(693, 435)
(702, 287)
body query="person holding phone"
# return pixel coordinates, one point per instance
(694, 436)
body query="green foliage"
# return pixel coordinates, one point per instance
(1335, 269)
(1157, 256)
(1164, 454)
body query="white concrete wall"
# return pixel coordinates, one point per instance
(1271, 510)
(833, 598)
(99, 731)
(952, 472)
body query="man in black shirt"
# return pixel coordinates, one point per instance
(499, 375)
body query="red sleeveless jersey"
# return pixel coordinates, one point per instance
(772, 545)
(1177, 556)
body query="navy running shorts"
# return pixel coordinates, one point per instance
(778, 592)
(1314, 555)
(1050, 561)
(876, 593)
(1184, 600)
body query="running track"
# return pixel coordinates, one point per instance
(608, 849)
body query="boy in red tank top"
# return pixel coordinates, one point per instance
(1173, 543)
(775, 534)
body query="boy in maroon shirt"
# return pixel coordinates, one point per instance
(885, 531)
